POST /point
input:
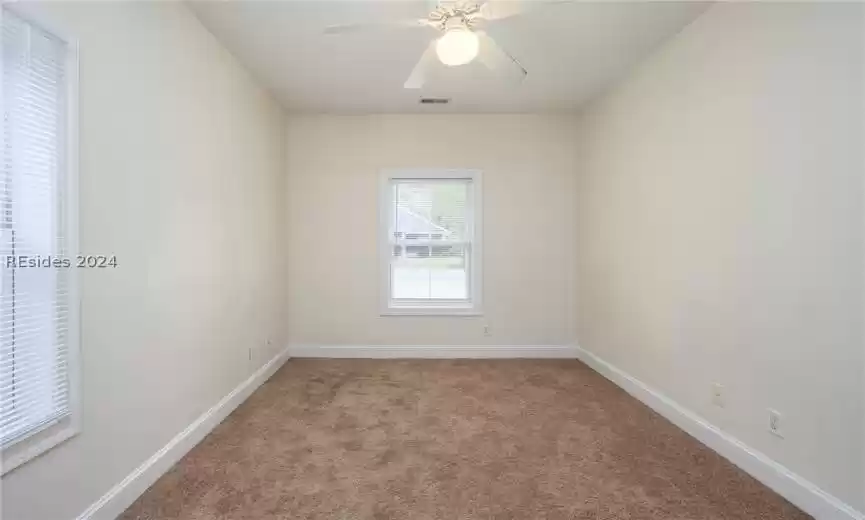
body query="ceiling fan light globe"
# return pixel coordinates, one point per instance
(457, 47)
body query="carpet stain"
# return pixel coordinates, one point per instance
(454, 440)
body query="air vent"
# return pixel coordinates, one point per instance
(434, 101)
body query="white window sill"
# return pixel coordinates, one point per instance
(38, 443)
(431, 311)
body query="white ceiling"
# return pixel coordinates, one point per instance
(572, 51)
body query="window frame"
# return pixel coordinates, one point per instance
(473, 306)
(54, 433)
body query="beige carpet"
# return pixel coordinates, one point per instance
(455, 440)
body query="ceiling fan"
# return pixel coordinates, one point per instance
(461, 40)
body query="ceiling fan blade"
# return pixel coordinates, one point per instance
(499, 61)
(375, 26)
(418, 75)
(501, 9)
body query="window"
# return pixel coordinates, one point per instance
(431, 242)
(38, 310)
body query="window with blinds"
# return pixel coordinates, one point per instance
(431, 242)
(36, 340)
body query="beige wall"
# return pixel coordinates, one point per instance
(181, 178)
(720, 211)
(332, 199)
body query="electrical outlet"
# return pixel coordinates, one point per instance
(718, 395)
(775, 423)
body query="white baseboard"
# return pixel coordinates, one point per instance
(799, 491)
(434, 351)
(121, 496)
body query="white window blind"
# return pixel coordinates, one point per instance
(432, 246)
(34, 300)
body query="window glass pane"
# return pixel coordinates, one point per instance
(426, 212)
(34, 369)
(430, 210)
(430, 272)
